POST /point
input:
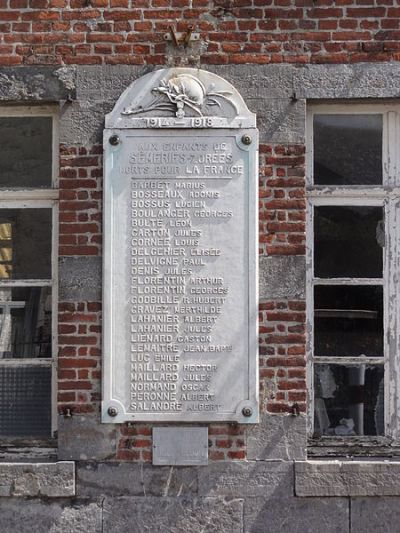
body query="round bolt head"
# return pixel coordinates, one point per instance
(114, 140)
(247, 411)
(246, 139)
(112, 411)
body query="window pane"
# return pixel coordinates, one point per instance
(25, 322)
(348, 400)
(348, 241)
(25, 401)
(26, 151)
(25, 243)
(348, 321)
(347, 149)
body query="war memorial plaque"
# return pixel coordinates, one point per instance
(180, 252)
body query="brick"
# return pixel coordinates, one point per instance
(74, 385)
(236, 454)
(351, 35)
(329, 12)
(9, 15)
(365, 12)
(287, 362)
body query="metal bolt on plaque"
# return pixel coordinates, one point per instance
(114, 140)
(247, 411)
(112, 411)
(246, 139)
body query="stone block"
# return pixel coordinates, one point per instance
(377, 515)
(52, 480)
(81, 123)
(79, 279)
(101, 83)
(178, 515)
(282, 277)
(37, 84)
(38, 516)
(84, 438)
(365, 80)
(280, 121)
(188, 56)
(278, 438)
(258, 81)
(247, 479)
(295, 515)
(124, 479)
(347, 478)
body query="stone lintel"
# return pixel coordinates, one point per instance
(37, 84)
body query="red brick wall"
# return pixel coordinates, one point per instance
(79, 323)
(282, 323)
(282, 200)
(237, 31)
(282, 356)
(80, 200)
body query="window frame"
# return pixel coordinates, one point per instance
(36, 198)
(386, 195)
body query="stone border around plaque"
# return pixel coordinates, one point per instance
(180, 252)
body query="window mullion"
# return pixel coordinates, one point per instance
(374, 196)
(310, 310)
(28, 361)
(346, 360)
(389, 151)
(6, 283)
(348, 281)
(392, 317)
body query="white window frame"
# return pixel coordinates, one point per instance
(34, 198)
(386, 195)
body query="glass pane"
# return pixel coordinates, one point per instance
(25, 322)
(347, 149)
(348, 400)
(26, 151)
(25, 401)
(348, 241)
(348, 321)
(25, 243)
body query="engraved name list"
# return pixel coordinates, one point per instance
(178, 288)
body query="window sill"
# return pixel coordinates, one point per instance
(347, 478)
(348, 447)
(49, 480)
(28, 450)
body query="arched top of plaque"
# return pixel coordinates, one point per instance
(180, 98)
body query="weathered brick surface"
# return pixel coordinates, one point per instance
(282, 356)
(79, 356)
(80, 200)
(282, 200)
(131, 32)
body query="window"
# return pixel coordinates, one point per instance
(28, 171)
(353, 173)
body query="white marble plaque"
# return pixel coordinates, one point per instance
(180, 249)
